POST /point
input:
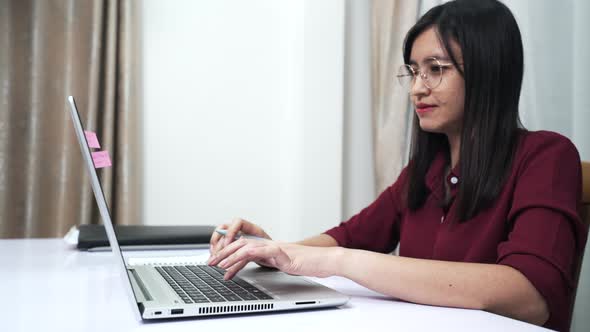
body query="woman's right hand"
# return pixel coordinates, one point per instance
(238, 226)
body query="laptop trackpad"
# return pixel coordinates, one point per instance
(279, 283)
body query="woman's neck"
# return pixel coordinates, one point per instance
(455, 148)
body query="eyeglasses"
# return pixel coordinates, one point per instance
(431, 73)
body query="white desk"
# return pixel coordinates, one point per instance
(45, 286)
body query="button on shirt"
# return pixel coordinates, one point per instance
(533, 225)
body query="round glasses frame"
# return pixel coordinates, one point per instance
(431, 74)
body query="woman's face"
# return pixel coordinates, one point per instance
(440, 109)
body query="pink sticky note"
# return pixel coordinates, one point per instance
(101, 159)
(92, 139)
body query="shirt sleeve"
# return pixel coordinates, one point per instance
(547, 237)
(376, 227)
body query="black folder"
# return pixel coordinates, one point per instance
(94, 237)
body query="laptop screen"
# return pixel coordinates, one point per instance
(93, 161)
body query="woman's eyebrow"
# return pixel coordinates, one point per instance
(443, 58)
(437, 56)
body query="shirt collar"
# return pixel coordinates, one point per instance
(435, 175)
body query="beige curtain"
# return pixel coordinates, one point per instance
(391, 19)
(50, 49)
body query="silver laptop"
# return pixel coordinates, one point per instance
(163, 290)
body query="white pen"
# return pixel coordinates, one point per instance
(224, 232)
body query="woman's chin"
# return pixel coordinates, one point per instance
(430, 127)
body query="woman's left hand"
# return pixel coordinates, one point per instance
(290, 258)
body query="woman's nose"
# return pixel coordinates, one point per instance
(418, 86)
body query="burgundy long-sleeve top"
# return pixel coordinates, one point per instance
(533, 225)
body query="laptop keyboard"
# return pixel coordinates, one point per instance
(203, 284)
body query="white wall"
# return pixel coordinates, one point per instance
(243, 113)
(555, 81)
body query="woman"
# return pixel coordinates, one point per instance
(485, 213)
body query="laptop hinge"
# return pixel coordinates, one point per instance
(141, 292)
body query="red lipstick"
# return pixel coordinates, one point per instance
(422, 108)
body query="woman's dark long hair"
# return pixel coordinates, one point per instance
(491, 46)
